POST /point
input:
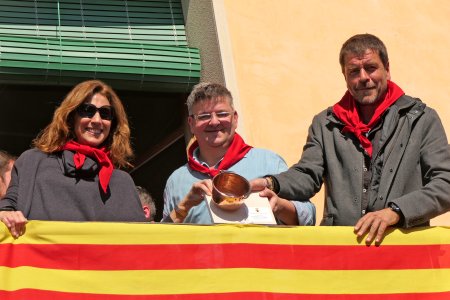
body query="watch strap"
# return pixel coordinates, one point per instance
(272, 183)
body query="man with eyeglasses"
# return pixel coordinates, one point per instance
(213, 121)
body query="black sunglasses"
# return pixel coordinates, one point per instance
(87, 110)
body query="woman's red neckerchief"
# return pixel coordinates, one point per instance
(98, 154)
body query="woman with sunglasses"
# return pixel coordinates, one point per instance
(72, 172)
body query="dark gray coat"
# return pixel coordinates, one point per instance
(411, 167)
(48, 187)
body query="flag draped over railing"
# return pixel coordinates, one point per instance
(65, 260)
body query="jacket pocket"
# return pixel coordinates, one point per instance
(327, 220)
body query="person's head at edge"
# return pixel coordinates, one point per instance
(6, 165)
(365, 65)
(148, 204)
(70, 122)
(212, 118)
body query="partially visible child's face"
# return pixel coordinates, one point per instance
(5, 179)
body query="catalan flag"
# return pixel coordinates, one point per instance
(115, 261)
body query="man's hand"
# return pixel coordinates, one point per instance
(283, 209)
(15, 221)
(375, 224)
(258, 184)
(193, 198)
(196, 194)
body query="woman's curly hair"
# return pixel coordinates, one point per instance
(60, 130)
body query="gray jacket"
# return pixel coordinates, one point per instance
(411, 167)
(49, 187)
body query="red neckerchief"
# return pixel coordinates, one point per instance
(100, 155)
(235, 153)
(346, 111)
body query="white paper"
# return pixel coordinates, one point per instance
(255, 210)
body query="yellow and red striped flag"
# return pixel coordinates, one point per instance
(118, 261)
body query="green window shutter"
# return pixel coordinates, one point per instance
(131, 44)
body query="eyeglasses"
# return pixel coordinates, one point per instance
(87, 110)
(220, 115)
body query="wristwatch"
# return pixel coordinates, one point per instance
(272, 184)
(394, 207)
(269, 183)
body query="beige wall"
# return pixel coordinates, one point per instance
(285, 55)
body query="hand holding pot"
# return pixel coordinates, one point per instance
(196, 194)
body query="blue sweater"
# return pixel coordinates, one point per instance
(256, 163)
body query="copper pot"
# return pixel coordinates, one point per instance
(229, 190)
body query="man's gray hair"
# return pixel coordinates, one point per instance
(207, 91)
(147, 199)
